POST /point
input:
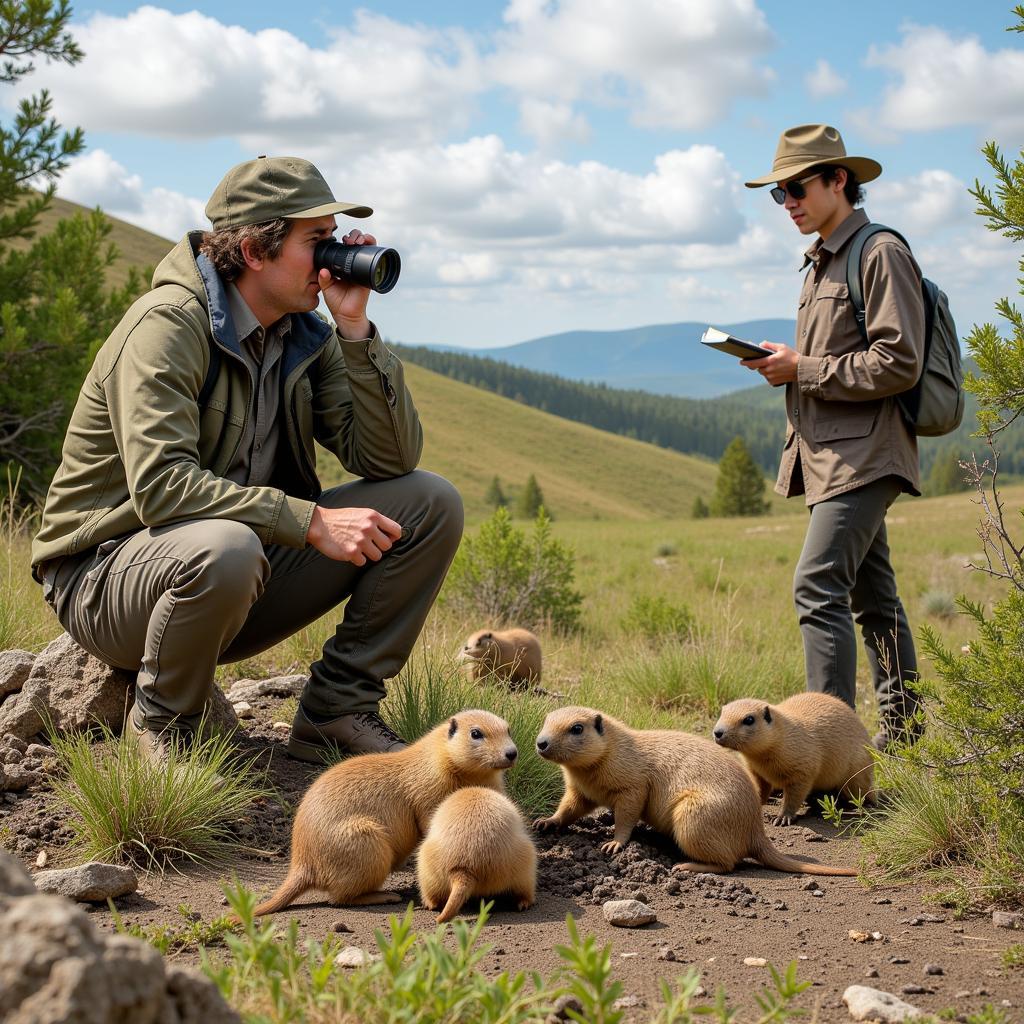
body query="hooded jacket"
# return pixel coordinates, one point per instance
(140, 452)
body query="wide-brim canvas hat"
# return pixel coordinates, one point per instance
(809, 145)
(274, 186)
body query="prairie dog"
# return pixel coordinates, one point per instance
(476, 845)
(509, 654)
(811, 741)
(363, 817)
(680, 784)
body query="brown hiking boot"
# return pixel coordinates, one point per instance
(362, 732)
(155, 745)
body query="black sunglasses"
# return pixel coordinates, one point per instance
(794, 188)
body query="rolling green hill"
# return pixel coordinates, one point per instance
(584, 473)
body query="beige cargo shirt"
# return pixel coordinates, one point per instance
(845, 427)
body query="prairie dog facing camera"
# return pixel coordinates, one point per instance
(809, 742)
(364, 816)
(680, 784)
(476, 845)
(512, 655)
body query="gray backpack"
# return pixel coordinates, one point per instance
(935, 404)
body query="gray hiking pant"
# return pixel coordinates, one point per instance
(172, 603)
(845, 576)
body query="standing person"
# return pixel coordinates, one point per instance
(186, 526)
(848, 449)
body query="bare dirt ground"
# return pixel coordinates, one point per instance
(713, 923)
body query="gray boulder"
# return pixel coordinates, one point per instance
(93, 882)
(56, 967)
(866, 1003)
(252, 689)
(14, 878)
(76, 692)
(15, 667)
(628, 913)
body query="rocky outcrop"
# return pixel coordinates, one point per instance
(72, 691)
(55, 966)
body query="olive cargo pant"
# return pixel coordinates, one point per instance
(173, 602)
(845, 576)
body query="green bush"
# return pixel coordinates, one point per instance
(128, 809)
(657, 618)
(503, 577)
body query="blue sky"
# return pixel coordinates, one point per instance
(546, 166)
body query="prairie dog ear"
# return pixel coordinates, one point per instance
(767, 713)
(599, 725)
(487, 636)
(453, 727)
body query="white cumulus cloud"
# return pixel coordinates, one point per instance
(96, 179)
(921, 205)
(944, 81)
(824, 81)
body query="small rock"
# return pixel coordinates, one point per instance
(899, 960)
(859, 936)
(563, 1005)
(818, 893)
(882, 901)
(755, 961)
(281, 727)
(915, 990)
(245, 690)
(933, 969)
(700, 990)
(340, 926)
(1006, 919)
(780, 905)
(93, 882)
(42, 859)
(866, 1003)
(628, 913)
(628, 956)
(667, 953)
(8, 755)
(352, 957)
(627, 1003)
(15, 667)
(871, 972)
(672, 887)
(962, 994)
(39, 750)
(243, 710)
(810, 885)
(15, 743)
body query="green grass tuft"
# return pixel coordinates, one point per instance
(129, 810)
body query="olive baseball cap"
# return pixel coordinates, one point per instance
(274, 186)
(808, 145)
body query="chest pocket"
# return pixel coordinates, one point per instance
(857, 419)
(825, 319)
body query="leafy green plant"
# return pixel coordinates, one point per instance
(168, 939)
(590, 981)
(503, 577)
(129, 809)
(657, 618)
(1013, 956)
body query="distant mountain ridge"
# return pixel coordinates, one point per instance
(665, 359)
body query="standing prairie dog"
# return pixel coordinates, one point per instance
(476, 845)
(680, 784)
(363, 817)
(811, 741)
(509, 654)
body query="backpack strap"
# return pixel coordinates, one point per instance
(854, 271)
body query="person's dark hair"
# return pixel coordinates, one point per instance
(853, 190)
(224, 248)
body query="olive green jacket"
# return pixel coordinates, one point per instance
(141, 452)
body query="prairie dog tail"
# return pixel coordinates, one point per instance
(770, 857)
(462, 888)
(295, 884)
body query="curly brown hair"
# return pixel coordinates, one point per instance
(224, 248)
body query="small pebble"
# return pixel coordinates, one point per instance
(667, 953)
(871, 972)
(340, 926)
(281, 727)
(818, 893)
(882, 901)
(244, 710)
(42, 859)
(933, 969)
(755, 961)
(915, 990)
(810, 885)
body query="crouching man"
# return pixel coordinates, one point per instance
(186, 526)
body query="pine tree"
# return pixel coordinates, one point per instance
(739, 489)
(495, 496)
(54, 307)
(530, 500)
(700, 508)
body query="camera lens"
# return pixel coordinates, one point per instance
(372, 266)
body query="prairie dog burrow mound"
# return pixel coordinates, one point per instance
(363, 817)
(810, 742)
(680, 784)
(476, 845)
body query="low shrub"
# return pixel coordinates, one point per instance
(657, 618)
(503, 577)
(127, 809)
